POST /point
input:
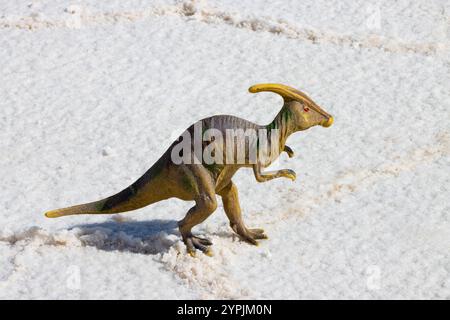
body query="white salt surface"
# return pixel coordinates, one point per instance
(93, 92)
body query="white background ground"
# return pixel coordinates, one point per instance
(92, 93)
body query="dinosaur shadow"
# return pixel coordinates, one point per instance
(144, 237)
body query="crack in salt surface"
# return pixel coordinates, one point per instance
(346, 184)
(200, 12)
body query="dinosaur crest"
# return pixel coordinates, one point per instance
(291, 94)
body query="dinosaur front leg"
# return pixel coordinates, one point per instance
(232, 208)
(263, 177)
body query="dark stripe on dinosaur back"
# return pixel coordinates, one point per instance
(132, 190)
(151, 174)
(119, 198)
(157, 168)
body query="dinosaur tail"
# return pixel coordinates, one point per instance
(87, 208)
(146, 190)
(126, 200)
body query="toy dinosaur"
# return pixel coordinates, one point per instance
(200, 181)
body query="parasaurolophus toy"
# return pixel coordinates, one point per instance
(191, 176)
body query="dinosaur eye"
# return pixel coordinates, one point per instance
(306, 109)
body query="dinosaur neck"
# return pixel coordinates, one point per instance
(284, 123)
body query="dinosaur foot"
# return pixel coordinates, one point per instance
(258, 234)
(249, 235)
(194, 242)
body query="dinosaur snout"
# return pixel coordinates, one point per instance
(328, 122)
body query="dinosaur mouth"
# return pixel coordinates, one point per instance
(327, 122)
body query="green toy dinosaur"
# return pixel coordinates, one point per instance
(199, 179)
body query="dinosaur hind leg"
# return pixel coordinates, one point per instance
(232, 209)
(200, 184)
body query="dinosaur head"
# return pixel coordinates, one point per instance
(306, 113)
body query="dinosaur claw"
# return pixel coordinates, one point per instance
(258, 234)
(248, 238)
(209, 252)
(250, 235)
(288, 173)
(204, 241)
(193, 243)
(252, 241)
(261, 236)
(289, 151)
